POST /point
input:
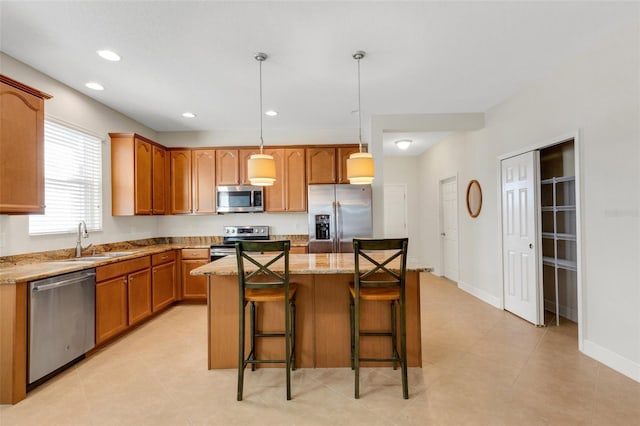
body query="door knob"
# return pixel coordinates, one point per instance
(443, 234)
(530, 245)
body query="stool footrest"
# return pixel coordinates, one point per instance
(270, 334)
(376, 333)
(381, 359)
(265, 361)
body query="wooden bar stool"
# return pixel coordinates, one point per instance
(259, 283)
(380, 269)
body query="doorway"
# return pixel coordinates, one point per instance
(552, 283)
(449, 228)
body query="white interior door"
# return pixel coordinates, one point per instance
(395, 211)
(449, 228)
(520, 256)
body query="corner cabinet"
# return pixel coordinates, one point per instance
(21, 148)
(139, 171)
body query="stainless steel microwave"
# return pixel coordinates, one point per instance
(240, 199)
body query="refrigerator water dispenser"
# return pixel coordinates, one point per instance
(322, 227)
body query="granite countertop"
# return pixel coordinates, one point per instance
(315, 263)
(35, 266)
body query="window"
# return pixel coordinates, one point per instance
(72, 181)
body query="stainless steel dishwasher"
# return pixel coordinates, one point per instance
(61, 321)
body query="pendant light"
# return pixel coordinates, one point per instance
(360, 165)
(261, 168)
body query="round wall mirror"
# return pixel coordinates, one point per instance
(474, 198)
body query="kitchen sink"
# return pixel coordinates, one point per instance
(100, 256)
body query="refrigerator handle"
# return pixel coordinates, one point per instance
(338, 227)
(335, 241)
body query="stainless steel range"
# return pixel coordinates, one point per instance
(237, 233)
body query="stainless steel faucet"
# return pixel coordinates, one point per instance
(82, 233)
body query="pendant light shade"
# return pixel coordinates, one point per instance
(360, 165)
(261, 168)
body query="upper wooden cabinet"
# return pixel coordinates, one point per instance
(244, 155)
(289, 191)
(160, 172)
(204, 181)
(227, 167)
(343, 156)
(328, 164)
(321, 165)
(139, 175)
(193, 175)
(180, 186)
(21, 147)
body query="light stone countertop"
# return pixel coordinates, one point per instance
(314, 263)
(12, 274)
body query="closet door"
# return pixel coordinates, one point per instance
(521, 254)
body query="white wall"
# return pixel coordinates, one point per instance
(597, 94)
(79, 110)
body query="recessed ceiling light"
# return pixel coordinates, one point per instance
(109, 55)
(271, 113)
(188, 115)
(403, 143)
(94, 86)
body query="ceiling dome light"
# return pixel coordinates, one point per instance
(188, 115)
(271, 113)
(403, 144)
(360, 165)
(261, 168)
(94, 86)
(109, 55)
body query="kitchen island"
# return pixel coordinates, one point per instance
(322, 313)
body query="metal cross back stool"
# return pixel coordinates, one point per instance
(259, 281)
(380, 269)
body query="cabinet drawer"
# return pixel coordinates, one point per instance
(122, 268)
(164, 257)
(195, 253)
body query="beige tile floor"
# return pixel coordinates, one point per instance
(481, 366)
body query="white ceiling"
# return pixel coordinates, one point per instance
(422, 57)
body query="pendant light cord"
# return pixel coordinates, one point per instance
(261, 140)
(357, 56)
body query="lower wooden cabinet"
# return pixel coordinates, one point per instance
(194, 287)
(163, 280)
(123, 296)
(139, 295)
(111, 308)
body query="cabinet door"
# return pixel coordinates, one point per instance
(244, 158)
(343, 156)
(139, 295)
(274, 195)
(321, 165)
(111, 308)
(163, 285)
(296, 186)
(203, 180)
(193, 287)
(21, 151)
(180, 181)
(160, 174)
(227, 167)
(142, 180)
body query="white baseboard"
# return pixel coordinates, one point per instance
(480, 294)
(612, 360)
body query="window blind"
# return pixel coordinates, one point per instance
(72, 181)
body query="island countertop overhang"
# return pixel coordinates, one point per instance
(312, 263)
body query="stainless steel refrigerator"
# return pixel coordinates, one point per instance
(337, 214)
